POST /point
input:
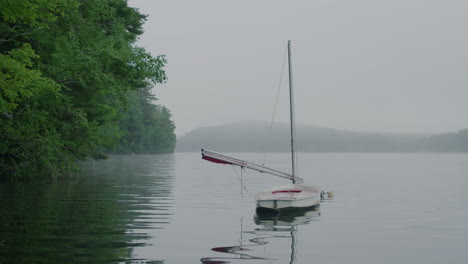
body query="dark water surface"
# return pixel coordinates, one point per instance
(388, 208)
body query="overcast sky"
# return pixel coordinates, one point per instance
(367, 65)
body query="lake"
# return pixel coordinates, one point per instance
(387, 208)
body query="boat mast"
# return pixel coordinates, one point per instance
(291, 114)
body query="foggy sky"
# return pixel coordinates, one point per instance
(366, 65)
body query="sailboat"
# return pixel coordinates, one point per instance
(294, 195)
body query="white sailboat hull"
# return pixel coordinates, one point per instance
(289, 196)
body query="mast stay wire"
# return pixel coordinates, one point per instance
(270, 132)
(240, 180)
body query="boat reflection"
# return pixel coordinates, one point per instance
(286, 221)
(286, 217)
(271, 225)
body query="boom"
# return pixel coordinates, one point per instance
(222, 159)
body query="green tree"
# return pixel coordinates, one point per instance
(34, 137)
(67, 69)
(147, 127)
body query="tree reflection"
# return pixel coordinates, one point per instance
(98, 218)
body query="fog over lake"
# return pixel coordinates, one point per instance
(366, 65)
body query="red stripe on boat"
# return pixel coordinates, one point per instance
(287, 191)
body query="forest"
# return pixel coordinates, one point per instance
(74, 85)
(260, 137)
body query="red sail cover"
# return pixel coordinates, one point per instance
(215, 160)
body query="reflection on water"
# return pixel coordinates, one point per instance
(271, 225)
(175, 208)
(97, 218)
(287, 217)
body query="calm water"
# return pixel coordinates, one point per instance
(388, 208)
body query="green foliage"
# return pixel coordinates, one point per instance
(148, 127)
(18, 81)
(67, 69)
(36, 13)
(91, 52)
(41, 134)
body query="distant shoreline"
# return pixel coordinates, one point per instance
(255, 137)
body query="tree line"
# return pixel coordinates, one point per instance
(74, 85)
(258, 137)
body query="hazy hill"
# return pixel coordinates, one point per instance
(258, 137)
